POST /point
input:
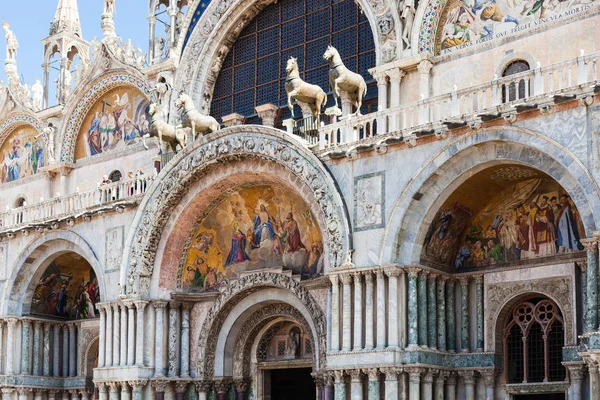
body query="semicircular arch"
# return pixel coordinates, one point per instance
(460, 159)
(246, 142)
(78, 107)
(32, 262)
(13, 121)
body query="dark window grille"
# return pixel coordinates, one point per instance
(253, 73)
(516, 90)
(533, 341)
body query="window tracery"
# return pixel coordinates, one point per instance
(516, 90)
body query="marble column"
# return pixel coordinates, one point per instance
(346, 312)
(130, 333)
(72, 350)
(393, 324)
(432, 311)
(356, 390)
(469, 380)
(427, 385)
(159, 353)
(185, 340)
(464, 304)
(241, 388)
(357, 345)
(53, 393)
(109, 335)
(395, 79)
(37, 340)
(173, 342)
(340, 385)
(1, 345)
(25, 346)
(113, 388)
(591, 317)
(85, 395)
(391, 383)
(489, 379)
(441, 313)
(451, 386)
(125, 391)
(137, 388)
(24, 393)
(335, 313)
(450, 316)
(203, 388)
(373, 384)
(414, 383)
(381, 102)
(479, 305)
(56, 351)
(102, 391)
(424, 68)
(369, 312)
(74, 395)
(11, 324)
(124, 344)
(422, 304)
(116, 360)
(438, 385)
(140, 305)
(46, 351)
(381, 313)
(38, 395)
(222, 388)
(65, 395)
(576, 375)
(102, 339)
(413, 308)
(594, 383)
(65, 351)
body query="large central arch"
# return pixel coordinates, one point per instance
(193, 163)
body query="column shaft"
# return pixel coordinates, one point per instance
(356, 390)
(432, 311)
(413, 309)
(414, 385)
(390, 385)
(393, 328)
(335, 313)
(131, 334)
(373, 385)
(450, 316)
(159, 365)
(65, 351)
(173, 342)
(72, 350)
(592, 284)
(422, 304)
(109, 335)
(381, 103)
(185, 341)
(441, 313)
(116, 354)
(56, 351)
(102, 338)
(340, 386)
(381, 312)
(346, 312)
(479, 305)
(46, 356)
(369, 312)
(124, 344)
(37, 340)
(464, 304)
(25, 347)
(357, 312)
(139, 337)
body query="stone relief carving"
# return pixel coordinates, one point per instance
(240, 143)
(558, 289)
(113, 248)
(233, 294)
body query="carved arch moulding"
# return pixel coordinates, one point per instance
(15, 120)
(243, 287)
(219, 26)
(191, 164)
(84, 104)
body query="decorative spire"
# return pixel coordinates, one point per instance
(66, 18)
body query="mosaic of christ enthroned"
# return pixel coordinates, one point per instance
(249, 228)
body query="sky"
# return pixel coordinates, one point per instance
(30, 21)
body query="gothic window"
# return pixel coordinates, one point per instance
(515, 90)
(253, 73)
(533, 340)
(115, 176)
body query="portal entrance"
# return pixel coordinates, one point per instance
(290, 384)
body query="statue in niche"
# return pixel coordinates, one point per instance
(50, 132)
(38, 95)
(110, 7)
(341, 79)
(159, 46)
(293, 344)
(11, 42)
(302, 92)
(407, 10)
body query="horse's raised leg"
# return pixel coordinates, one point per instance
(290, 105)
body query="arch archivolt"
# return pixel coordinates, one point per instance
(291, 300)
(32, 262)
(8, 125)
(222, 22)
(197, 160)
(500, 297)
(461, 159)
(80, 106)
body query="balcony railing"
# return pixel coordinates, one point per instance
(483, 101)
(78, 203)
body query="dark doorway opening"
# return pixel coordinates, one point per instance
(292, 384)
(552, 396)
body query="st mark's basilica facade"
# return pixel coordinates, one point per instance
(304, 199)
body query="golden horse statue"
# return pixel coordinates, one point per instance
(166, 133)
(301, 91)
(191, 118)
(342, 79)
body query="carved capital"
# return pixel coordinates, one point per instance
(428, 375)
(395, 75)
(379, 274)
(468, 377)
(425, 66)
(203, 386)
(441, 376)
(489, 377)
(339, 375)
(334, 279)
(391, 373)
(372, 373)
(368, 276)
(478, 279)
(7, 391)
(181, 386)
(433, 277)
(140, 305)
(241, 385)
(114, 387)
(576, 371)
(355, 374)
(159, 304)
(414, 374)
(24, 391)
(423, 274)
(381, 79)
(222, 385)
(392, 271)
(413, 272)
(589, 244)
(464, 281)
(346, 279)
(357, 277)
(159, 385)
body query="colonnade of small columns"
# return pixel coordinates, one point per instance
(39, 348)
(124, 335)
(25, 393)
(405, 307)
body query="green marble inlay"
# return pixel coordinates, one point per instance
(413, 327)
(373, 391)
(451, 318)
(340, 391)
(432, 313)
(422, 295)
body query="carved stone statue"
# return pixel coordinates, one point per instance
(344, 80)
(303, 92)
(163, 89)
(407, 13)
(67, 84)
(50, 132)
(38, 95)
(159, 46)
(191, 118)
(293, 343)
(11, 42)
(163, 131)
(110, 7)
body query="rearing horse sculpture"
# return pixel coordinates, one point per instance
(303, 92)
(342, 79)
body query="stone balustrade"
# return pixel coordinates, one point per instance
(49, 212)
(541, 88)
